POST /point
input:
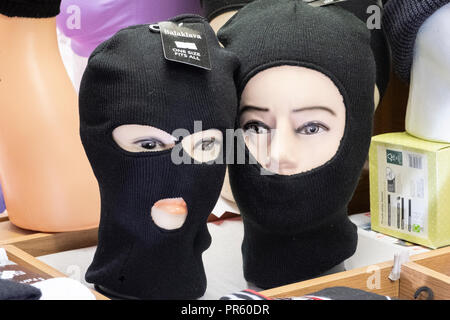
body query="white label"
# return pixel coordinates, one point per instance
(403, 188)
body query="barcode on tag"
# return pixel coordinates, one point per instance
(415, 161)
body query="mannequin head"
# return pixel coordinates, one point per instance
(218, 12)
(293, 118)
(89, 23)
(428, 112)
(218, 21)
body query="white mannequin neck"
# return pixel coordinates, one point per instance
(428, 114)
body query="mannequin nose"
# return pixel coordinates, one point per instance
(282, 158)
(169, 214)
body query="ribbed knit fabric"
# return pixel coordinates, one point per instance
(402, 20)
(213, 8)
(128, 81)
(10, 290)
(30, 8)
(378, 41)
(357, 7)
(296, 227)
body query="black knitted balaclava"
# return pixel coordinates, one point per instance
(128, 81)
(213, 8)
(296, 227)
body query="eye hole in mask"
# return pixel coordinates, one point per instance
(203, 146)
(140, 138)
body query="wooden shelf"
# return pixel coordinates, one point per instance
(39, 244)
(26, 260)
(430, 269)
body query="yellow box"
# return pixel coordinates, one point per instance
(410, 189)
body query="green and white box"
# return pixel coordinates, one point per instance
(410, 189)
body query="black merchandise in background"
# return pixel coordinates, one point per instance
(128, 81)
(332, 293)
(402, 20)
(296, 227)
(10, 290)
(30, 8)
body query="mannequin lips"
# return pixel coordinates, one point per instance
(169, 214)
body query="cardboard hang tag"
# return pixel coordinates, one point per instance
(185, 43)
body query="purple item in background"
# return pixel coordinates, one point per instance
(88, 23)
(2, 202)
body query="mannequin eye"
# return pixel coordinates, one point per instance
(206, 144)
(138, 138)
(203, 146)
(256, 127)
(312, 128)
(151, 144)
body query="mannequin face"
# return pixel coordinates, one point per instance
(203, 146)
(293, 119)
(428, 112)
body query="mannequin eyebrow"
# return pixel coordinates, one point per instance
(249, 108)
(316, 108)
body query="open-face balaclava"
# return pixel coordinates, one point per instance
(296, 227)
(402, 20)
(128, 81)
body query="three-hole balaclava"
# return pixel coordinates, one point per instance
(296, 227)
(128, 81)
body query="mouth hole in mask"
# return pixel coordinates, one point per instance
(169, 214)
(293, 119)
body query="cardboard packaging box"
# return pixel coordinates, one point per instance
(410, 189)
(374, 247)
